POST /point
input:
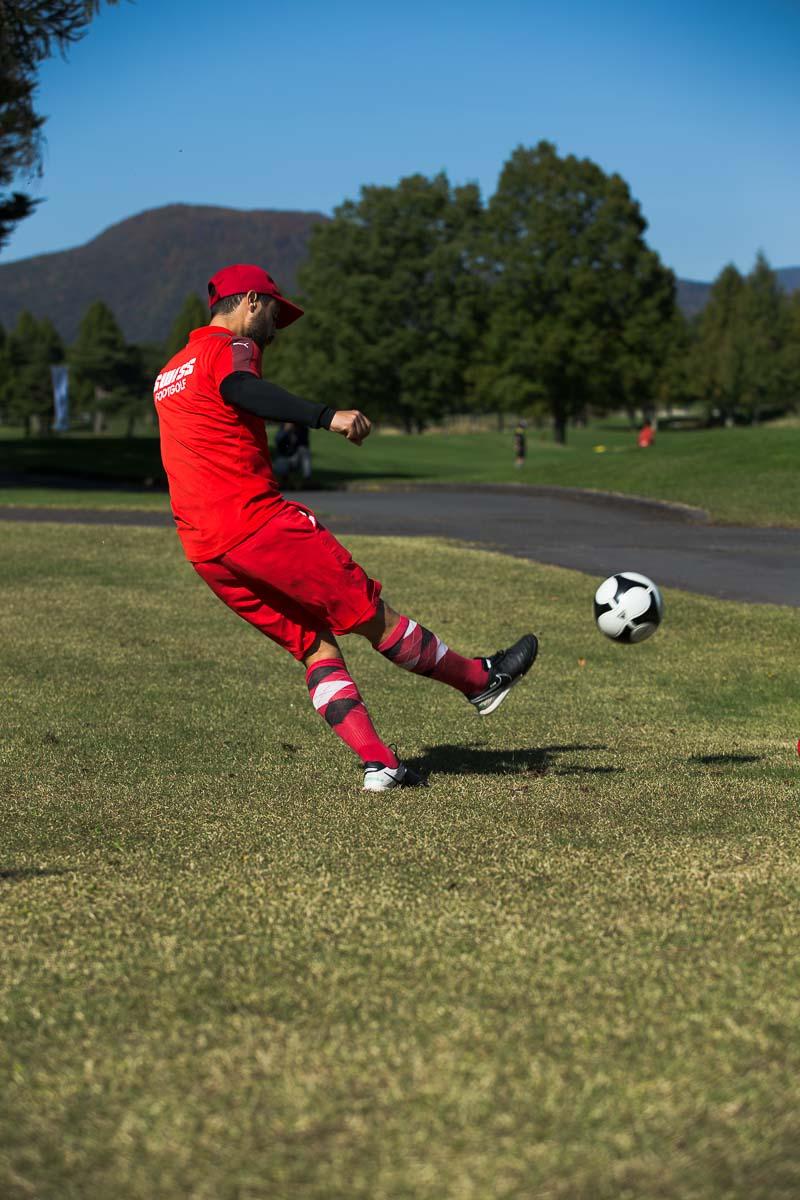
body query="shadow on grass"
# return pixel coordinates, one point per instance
(14, 874)
(712, 760)
(476, 760)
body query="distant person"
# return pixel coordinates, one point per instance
(520, 444)
(646, 436)
(294, 452)
(270, 560)
(303, 451)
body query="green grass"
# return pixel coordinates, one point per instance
(568, 969)
(77, 497)
(739, 475)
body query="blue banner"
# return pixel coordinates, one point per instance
(60, 377)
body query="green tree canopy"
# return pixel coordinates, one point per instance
(106, 372)
(3, 358)
(763, 308)
(30, 30)
(717, 359)
(32, 347)
(580, 306)
(791, 350)
(740, 360)
(393, 303)
(673, 384)
(192, 315)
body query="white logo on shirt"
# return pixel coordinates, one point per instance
(170, 382)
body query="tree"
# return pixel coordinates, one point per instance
(107, 374)
(673, 383)
(717, 360)
(739, 362)
(393, 303)
(5, 376)
(791, 350)
(193, 314)
(151, 357)
(579, 304)
(30, 30)
(32, 348)
(763, 319)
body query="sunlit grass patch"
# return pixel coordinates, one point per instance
(569, 968)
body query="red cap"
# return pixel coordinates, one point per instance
(243, 277)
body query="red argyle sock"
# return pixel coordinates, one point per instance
(335, 695)
(417, 649)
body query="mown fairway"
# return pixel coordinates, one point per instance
(569, 968)
(742, 476)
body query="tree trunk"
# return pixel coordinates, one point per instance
(501, 422)
(559, 425)
(97, 421)
(131, 426)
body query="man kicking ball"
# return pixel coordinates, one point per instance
(268, 558)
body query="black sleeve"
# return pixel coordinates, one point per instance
(271, 402)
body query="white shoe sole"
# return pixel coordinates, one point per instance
(497, 700)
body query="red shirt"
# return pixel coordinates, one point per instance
(216, 456)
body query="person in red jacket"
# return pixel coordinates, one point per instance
(269, 559)
(646, 436)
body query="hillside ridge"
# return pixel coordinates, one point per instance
(145, 265)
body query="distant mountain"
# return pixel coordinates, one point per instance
(145, 266)
(693, 296)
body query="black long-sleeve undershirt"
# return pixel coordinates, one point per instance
(271, 402)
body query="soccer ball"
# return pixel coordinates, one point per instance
(628, 607)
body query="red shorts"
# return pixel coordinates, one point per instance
(293, 581)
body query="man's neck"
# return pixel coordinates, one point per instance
(231, 324)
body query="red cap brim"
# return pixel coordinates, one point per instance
(287, 312)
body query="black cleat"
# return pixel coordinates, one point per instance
(379, 778)
(505, 668)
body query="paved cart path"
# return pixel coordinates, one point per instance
(593, 533)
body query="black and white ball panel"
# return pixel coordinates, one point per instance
(628, 607)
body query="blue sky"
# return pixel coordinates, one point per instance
(297, 105)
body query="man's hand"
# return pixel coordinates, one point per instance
(352, 424)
